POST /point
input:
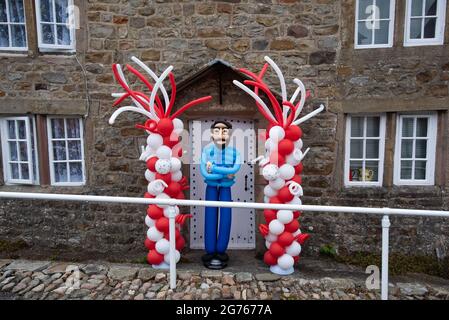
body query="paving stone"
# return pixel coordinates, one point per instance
(4, 262)
(27, 265)
(122, 273)
(243, 277)
(213, 274)
(91, 269)
(146, 274)
(412, 289)
(267, 277)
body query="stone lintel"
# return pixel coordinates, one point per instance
(24, 106)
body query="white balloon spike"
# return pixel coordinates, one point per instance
(282, 82)
(304, 154)
(128, 108)
(122, 77)
(302, 100)
(157, 85)
(308, 116)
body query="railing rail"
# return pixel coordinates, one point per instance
(385, 212)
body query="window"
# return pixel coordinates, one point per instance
(66, 151)
(415, 150)
(55, 27)
(424, 22)
(19, 152)
(365, 142)
(12, 25)
(374, 23)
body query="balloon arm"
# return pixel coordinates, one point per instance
(128, 108)
(256, 160)
(158, 85)
(189, 105)
(282, 83)
(302, 99)
(304, 154)
(310, 115)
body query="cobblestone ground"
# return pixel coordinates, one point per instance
(21, 279)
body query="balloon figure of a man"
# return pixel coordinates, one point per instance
(219, 164)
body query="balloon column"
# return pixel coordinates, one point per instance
(162, 155)
(281, 167)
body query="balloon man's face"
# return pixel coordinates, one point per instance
(220, 134)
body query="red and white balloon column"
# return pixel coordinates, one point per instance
(281, 167)
(162, 155)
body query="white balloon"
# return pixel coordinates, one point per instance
(149, 222)
(171, 209)
(154, 235)
(155, 140)
(147, 154)
(163, 152)
(298, 144)
(270, 172)
(267, 244)
(286, 261)
(150, 176)
(277, 184)
(176, 176)
(163, 246)
(295, 201)
(178, 126)
(276, 227)
(271, 237)
(285, 216)
(162, 196)
(266, 199)
(296, 233)
(175, 164)
(286, 172)
(277, 133)
(294, 249)
(156, 187)
(270, 145)
(167, 257)
(269, 191)
(294, 158)
(163, 166)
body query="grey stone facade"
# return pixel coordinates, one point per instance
(310, 39)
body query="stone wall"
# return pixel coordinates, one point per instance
(310, 39)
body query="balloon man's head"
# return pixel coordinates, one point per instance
(220, 133)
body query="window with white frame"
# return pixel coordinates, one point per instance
(364, 151)
(424, 22)
(19, 150)
(374, 24)
(55, 25)
(415, 150)
(66, 151)
(12, 25)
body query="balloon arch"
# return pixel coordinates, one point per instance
(281, 166)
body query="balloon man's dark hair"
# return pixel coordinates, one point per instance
(227, 124)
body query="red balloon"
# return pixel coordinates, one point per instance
(293, 133)
(299, 168)
(151, 163)
(154, 257)
(297, 178)
(149, 244)
(295, 259)
(173, 189)
(285, 195)
(285, 239)
(180, 196)
(147, 195)
(154, 212)
(269, 259)
(277, 159)
(285, 147)
(165, 126)
(177, 234)
(275, 200)
(296, 214)
(180, 243)
(171, 140)
(166, 177)
(162, 224)
(269, 215)
(292, 227)
(276, 250)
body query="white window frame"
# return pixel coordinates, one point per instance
(33, 176)
(382, 129)
(390, 28)
(431, 149)
(439, 26)
(51, 155)
(9, 23)
(45, 47)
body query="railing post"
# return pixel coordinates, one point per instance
(385, 237)
(172, 234)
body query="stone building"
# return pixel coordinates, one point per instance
(381, 69)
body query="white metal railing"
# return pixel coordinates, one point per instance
(385, 212)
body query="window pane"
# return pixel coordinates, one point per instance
(406, 169)
(59, 152)
(356, 151)
(61, 172)
(365, 34)
(415, 28)
(4, 36)
(76, 172)
(57, 128)
(73, 128)
(61, 11)
(372, 171)
(407, 127)
(430, 27)
(421, 127)
(63, 33)
(48, 33)
(420, 170)
(46, 11)
(421, 148)
(13, 151)
(356, 127)
(23, 151)
(14, 171)
(372, 148)
(372, 126)
(382, 32)
(417, 7)
(11, 129)
(18, 36)
(384, 8)
(16, 13)
(25, 171)
(365, 9)
(431, 8)
(3, 15)
(355, 170)
(21, 126)
(74, 150)
(407, 148)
